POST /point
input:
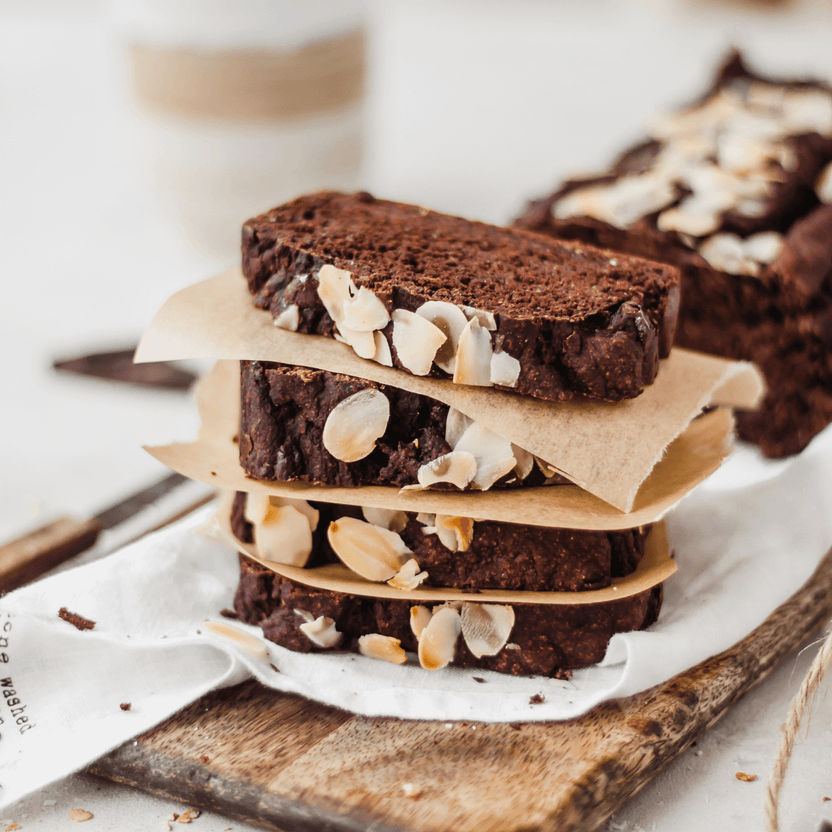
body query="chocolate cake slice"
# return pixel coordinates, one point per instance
(430, 293)
(326, 428)
(736, 191)
(537, 639)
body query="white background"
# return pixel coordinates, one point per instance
(473, 107)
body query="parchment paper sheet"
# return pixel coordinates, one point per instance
(213, 459)
(607, 449)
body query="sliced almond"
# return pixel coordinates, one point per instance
(419, 618)
(455, 425)
(455, 533)
(726, 253)
(426, 519)
(289, 318)
(383, 354)
(251, 644)
(364, 343)
(437, 643)
(764, 247)
(451, 320)
(457, 468)
(364, 312)
(473, 356)
(355, 424)
(374, 553)
(823, 187)
(322, 632)
(408, 577)
(386, 648)
(505, 369)
(688, 222)
(485, 319)
(257, 508)
(285, 537)
(493, 454)
(387, 518)
(546, 469)
(416, 341)
(806, 111)
(335, 288)
(486, 627)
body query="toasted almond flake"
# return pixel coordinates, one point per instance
(364, 312)
(416, 340)
(505, 369)
(286, 536)
(742, 154)
(455, 425)
(386, 648)
(305, 615)
(485, 319)
(258, 508)
(805, 111)
(684, 222)
(764, 247)
(363, 343)
(473, 356)
(335, 288)
(288, 318)
(750, 208)
(383, 354)
(426, 519)
(621, 203)
(455, 533)
(322, 632)
(493, 454)
(486, 627)
(188, 816)
(726, 253)
(823, 187)
(748, 778)
(546, 469)
(408, 577)
(437, 643)
(387, 518)
(375, 553)
(451, 320)
(355, 424)
(457, 468)
(525, 462)
(251, 644)
(419, 618)
(80, 815)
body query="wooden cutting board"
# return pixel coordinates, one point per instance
(282, 762)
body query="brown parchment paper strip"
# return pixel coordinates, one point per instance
(607, 449)
(655, 567)
(213, 458)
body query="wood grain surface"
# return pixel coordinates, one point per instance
(285, 763)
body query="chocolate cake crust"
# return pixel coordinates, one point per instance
(581, 322)
(500, 555)
(546, 640)
(284, 412)
(779, 314)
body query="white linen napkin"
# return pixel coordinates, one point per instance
(745, 541)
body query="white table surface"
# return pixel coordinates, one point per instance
(474, 107)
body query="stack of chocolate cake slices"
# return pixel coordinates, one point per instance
(375, 516)
(736, 191)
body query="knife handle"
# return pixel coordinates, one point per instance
(26, 558)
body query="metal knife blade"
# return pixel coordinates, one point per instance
(118, 366)
(27, 557)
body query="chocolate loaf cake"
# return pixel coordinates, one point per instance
(736, 191)
(431, 293)
(544, 639)
(320, 427)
